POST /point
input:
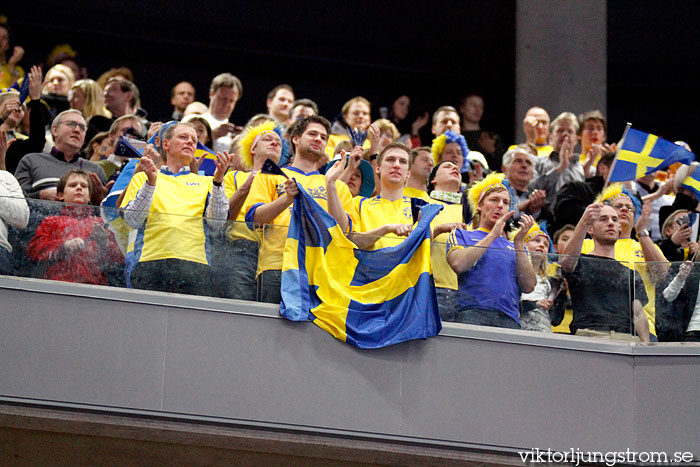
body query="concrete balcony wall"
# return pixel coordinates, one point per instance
(230, 362)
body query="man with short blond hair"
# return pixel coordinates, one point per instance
(607, 296)
(271, 196)
(279, 103)
(224, 92)
(182, 95)
(422, 163)
(166, 207)
(388, 215)
(445, 118)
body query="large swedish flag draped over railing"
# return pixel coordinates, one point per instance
(642, 153)
(369, 299)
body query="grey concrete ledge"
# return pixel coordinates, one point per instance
(213, 304)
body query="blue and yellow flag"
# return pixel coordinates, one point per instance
(642, 153)
(369, 299)
(208, 165)
(692, 182)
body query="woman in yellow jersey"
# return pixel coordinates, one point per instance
(444, 183)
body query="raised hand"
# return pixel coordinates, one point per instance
(536, 201)
(419, 123)
(147, 165)
(17, 54)
(643, 220)
(373, 134)
(681, 235)
(530, 128)
(36, 81)
(337, 169)
(223, 160)
(591, 214)
(564, 154)
(500, 224)
(99, 190)
(223, 130)
(525, 223)
(154, 129)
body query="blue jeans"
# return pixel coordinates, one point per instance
(234, 264)
(5, 262)
(174, 276)
(491, 318)
(269, 283)
(447, 303)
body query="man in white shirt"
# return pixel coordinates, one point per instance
(224, 92)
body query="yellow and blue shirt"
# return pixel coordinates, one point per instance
(411, 192)
(492, 283)
(372, 213)
(443, 274)
(239, 230)
(267, 188)
(175, 227)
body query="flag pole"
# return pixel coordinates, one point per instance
(617, 152)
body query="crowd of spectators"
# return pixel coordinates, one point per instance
(69, 143)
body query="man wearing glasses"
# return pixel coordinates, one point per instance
(38, 173)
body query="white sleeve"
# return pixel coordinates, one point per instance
(136, 211)
(13, 207)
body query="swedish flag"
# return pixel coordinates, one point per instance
(692, 182)
(642, 153)
(369, 299)
(208, 165)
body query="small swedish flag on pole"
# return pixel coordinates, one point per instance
(643, 153)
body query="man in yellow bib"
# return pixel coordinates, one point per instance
(383, 219)
(236, 258)
(269, 202)
(165, 207)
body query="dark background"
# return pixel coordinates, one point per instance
(654, 68)
(332, 51)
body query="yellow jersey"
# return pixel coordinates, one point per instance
(443, 275)
(175, 227)
(372, 213)
(267, 188)
(238, 229)
(411, 192)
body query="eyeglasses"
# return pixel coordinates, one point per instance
(620, 207)
(73, 124)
